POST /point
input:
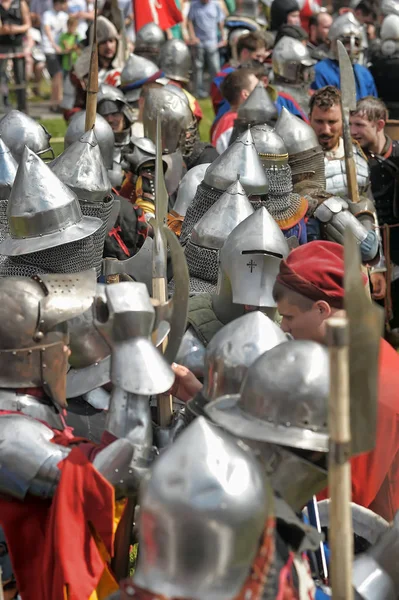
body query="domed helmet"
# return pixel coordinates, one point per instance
(18, 130)
(348, 30)
(104, 135)
(33, 332)
(136, 72)
(149, 40)
(176, 60)
(292, 61)
(389, 7)
(111, 100)
(390, 35)
(203, 490)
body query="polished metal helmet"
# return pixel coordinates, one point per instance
(111, 100)
(149, 40)
(81, 168)
(234, 35)
(305, 156)
(209, 235)
(176, 60)
(140, 151)
(292, 61)
(389, 7)
(270, 146)
(234, 348)
(33, 333)
(42, 212)
(176, 117)
(8, 170)
(136, 72)
(202, 515)
(18, 130)
(390, 28)
(257, 108)
(241, 158)
(283, 399)
(349, 31)
(188, 187)
(102, 129)
(250, 259)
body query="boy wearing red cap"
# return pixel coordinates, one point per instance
(309, 289)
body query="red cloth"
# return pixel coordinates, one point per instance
(166, 14)
(223, 126)
(315, 270)
(51, 544)
(375, 474)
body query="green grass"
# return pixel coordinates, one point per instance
(57, 127)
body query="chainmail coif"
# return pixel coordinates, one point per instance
(204, 198)
(101, 210)
(67, 258)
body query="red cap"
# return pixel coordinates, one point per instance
(315, 270)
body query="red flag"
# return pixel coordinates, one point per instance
(162, 12)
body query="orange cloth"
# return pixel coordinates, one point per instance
(53, 550)
(375, 474)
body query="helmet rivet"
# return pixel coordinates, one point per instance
(38, 336)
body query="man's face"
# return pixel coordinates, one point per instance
(323, 26)
(364, 131)
(294, 18)
(252, 83)
(107, 49)
(327, 125)
(116, 120)
(302, 324)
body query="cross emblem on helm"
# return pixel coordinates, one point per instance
(252, 265)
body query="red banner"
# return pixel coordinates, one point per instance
(162, 12)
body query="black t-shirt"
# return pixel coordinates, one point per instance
(12, 16)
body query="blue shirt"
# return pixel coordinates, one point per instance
(327, 73)
(205, 19)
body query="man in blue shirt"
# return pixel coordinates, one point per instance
(349, 31)
(206, 33)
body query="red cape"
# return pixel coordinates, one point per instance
(51, 543)
(375, 474)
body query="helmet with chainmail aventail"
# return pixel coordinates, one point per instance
(205, 489)
(82, 169)
(209, 235)
(305, 156)
(18, 130)
(149, 40)
(257, 109)
(8, 170)
(47, 230)
(240, 159)
(285, 206)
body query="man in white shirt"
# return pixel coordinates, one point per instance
(54, 22)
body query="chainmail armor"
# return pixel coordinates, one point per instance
(3, 219)
(196, 286)
(308, 162)
(202, 262)
(67, 258)
(101, 210)
(204, 198)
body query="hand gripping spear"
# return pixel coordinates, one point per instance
(92, 86)
(348, 103)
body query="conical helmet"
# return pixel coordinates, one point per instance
(42, 212)
(203, 490)
(283, 399)
(18, 130)
(239, 158)
(81, 168)
(136, 72)
(305, 155)
(230, 353)
(209, 235)
(269, 145)
(176, 60)
(104, 135)
(188, 188)
(250, 259)
(258, 108)
(8, 170)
